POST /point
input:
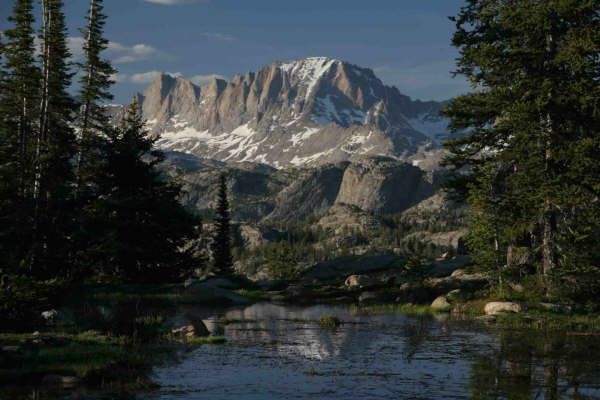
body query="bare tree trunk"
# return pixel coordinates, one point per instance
(42, 135)
(548, 212)
(548, 219)
(86, 106)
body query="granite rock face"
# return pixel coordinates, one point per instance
(292, 114)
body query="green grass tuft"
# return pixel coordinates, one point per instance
(329, 322)
(252, 293)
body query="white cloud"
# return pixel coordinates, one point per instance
(144, 78)
(175, 2)
(117, 52)
(75, 45)
(149, 77)
(123, 54)
(223, 37)
(202, 79)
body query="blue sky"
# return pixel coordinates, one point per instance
(406, 42)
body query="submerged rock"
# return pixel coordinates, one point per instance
(499, 307)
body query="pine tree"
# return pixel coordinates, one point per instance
(54, 151)
(18, 115)
(7, 172)
(223, 262)
(94, 128)
(95, 84)
(533, 121)
(141, 228)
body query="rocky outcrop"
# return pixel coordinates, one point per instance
(459, 279)
(383, 186)
(347, 194)
(313, 192)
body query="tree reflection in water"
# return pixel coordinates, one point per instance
(538, 365)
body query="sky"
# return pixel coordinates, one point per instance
(406, 42)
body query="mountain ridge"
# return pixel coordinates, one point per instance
(291, 114)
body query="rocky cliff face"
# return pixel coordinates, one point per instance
(294, 114)
(383, 186)
(265, 195)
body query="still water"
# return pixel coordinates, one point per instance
(277, 352)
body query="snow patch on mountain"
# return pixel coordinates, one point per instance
(298, 138)
(434, 126)
(300, 161)
(308, 71)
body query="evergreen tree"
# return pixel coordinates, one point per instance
(534, 124)
(95, 84)
(7, 173)
(223, 261)
(94, 129)
(18, 115)
(54, 151)
(141, 228)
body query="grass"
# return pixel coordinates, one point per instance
(549, 321)
(408, 309)
(252, 293)
(201, 340)
(194, 340)
(329, 322)
(78, 354)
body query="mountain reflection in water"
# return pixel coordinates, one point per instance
(276, 352)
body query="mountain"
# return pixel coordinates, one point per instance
(270, 196)
(312, 111)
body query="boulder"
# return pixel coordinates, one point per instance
(358, 281)
(213, 326)
(195, 329)
(54, 317)
(49, 316)
(464, 276)
(499, 307)
(459, 279)
(441, 303)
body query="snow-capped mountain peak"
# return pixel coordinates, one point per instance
(309, 111)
